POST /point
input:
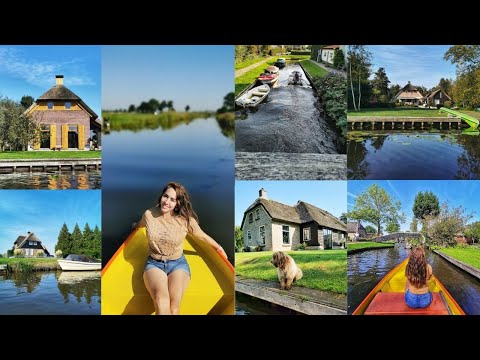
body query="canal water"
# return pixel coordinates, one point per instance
(366, 269)
(53, 180)
(440, 155)
(50, 293)
(136, 166)
(289, 120)
(248, 305)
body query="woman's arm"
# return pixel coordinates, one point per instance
(140, 223)
(198, 233)
(429, 271)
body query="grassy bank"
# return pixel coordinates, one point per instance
(414, 112)
(368, 244)
(137, 121)
(38, 155)
(244, 64)
(322, 270)
(470, 255)
(30, 264)
(475, 114)
(313, 69)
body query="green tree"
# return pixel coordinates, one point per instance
(187, 108)
(446, 86)
(17, 129)
(473, 231)
(394, 91)
(228, 103)
(240, 53)
(97, 238)
(380, 85)
(131, 108)
(339, 59)
(63, 240)
(414, 225)
(87, 244)
(343, 218)
(359, 61)
(369, 229)
(314, 53)
(392, 227)
(466, 90)
(27, 101)
(466, 57)
(425, 204)
(76, 240)
(170, 105)
(238, 239)
(376, 206)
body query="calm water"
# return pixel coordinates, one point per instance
(289, 120)
(247, 305)
(50, 293)
(416, 155)
(136, 166)
(53, 180)
(366, 269)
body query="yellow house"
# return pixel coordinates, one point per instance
(66, 122)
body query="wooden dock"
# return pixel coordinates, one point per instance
(401, 122)
(29, 165)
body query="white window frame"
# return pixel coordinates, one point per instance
(262, 240)
(283, 232)
(306, 238)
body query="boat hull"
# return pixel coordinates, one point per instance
(69, 265)
(390, 301)
(210, 291)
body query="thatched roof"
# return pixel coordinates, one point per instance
(301, 213)
(30, 237)
(409, 92)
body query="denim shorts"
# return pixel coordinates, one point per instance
(167, 266)
(418, 301)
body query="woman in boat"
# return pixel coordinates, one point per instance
(167, 273)
(418, 272)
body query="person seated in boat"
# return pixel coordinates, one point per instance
(418, 272)
(167, 273)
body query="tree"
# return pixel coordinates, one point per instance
(343, 217)
(359, 60)
(170, 105)
(425, 204)
(369, 229)
(27, 101)
(414, 225)
(392, 227)
(441, 229)
(473, 231)
(228, 103)
(97, 239)
(63, 241)
(446, 86)
(375, 206)
(187, 108)
(466, 57)
(131, 108)
(380, 85)
(17, 129)
(339, 59)
(76, 240)
(394, 91)
(238, 239)
(87, 244)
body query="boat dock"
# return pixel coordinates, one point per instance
(29, 165)
(400, 122)
(302, 300)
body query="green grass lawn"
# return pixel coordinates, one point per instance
(400, 111)
(247, 63)
(322, 270)
(14, 155)
(368, 244)
(30, 264)
(475, 114)
(313, 69)
(470, 256)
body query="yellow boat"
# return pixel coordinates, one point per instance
(387, 298)
(210, 291)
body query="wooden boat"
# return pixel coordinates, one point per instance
(268, 78)
(253, 97)
(75, 262)
(387, 298)
(210, 291)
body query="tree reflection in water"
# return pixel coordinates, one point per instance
(26, 281)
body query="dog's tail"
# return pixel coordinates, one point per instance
(299, 274)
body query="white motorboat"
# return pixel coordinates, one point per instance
(75, 262)
(253, 97)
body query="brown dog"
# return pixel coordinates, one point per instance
(287, 270)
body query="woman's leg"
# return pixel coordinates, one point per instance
(177, 284)
(156, 282)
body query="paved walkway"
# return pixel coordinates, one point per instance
(248, 68)
(329, 69)
(303, 300)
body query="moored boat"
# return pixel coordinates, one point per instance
(210, 291)
(253, 97)
(74, 262)
(387, 297)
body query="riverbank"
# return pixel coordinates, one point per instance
(353, 248)
(398, 111)
(30, 264)
(47, 155)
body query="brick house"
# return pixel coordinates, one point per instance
(30, 245)
(278, 227)
(66, 122)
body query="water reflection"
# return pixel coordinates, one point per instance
(413, 155)
(53, 180)
(79, 285)
(26, 281)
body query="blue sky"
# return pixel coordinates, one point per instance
(195, 75)
(31, 69)
(456, 192)
(43, 212)
(422, 65)
(327, 195)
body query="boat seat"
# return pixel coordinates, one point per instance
(258, 94)
(393, 303)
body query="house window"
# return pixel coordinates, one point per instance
(257, 214)
(249, 237)
(34, 243)
(45, 136)
(327, 238)
(262, 235)
(50, 105)
(286, 234)
(250, 217)
(68, 105)
(306, 234)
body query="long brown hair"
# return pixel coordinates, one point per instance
(416, 271)
(184, 206)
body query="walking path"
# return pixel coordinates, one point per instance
(248, 68)
(329, 69)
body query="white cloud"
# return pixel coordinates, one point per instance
(351, 195)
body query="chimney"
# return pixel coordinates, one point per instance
(59, 79)
(263, 193)
(28, 232)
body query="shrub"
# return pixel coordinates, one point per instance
(58, 253)
(438, 106)
(298, 52)
(18, 253)
(447, 104)
(40, 254)
(302, 246)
